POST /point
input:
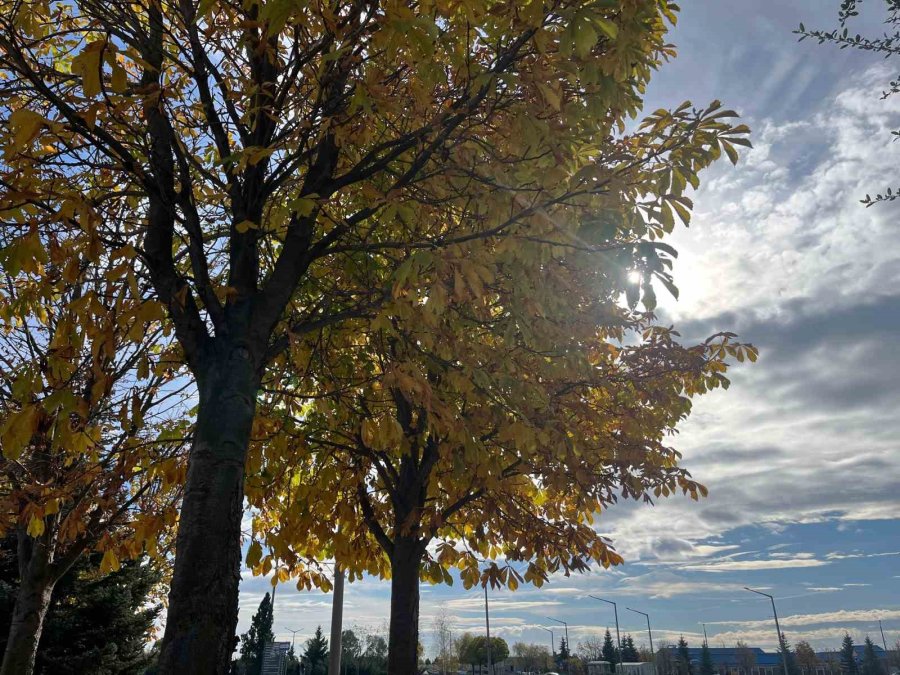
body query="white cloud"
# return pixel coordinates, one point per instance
(749, 565)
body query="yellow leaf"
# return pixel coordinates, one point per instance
(18, 430)
(35, 527)
(119, 82)
(245, 225)
(254, 554)
(87, 65)
(25, 125)
(110, 562)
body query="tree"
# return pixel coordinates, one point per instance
(532, 658)
(747, 657)
(871, 664)
(784, 648)
(629, 651)
(351, 648)
(888, 45)
(443, 638)
(91, 461)
(472, 649)
(707, 666)
(610, 652)
(291, 187)
(591, 649)
(316, 655)
(254, 641)
(96, 622)
(806, 657)
(562, 654)
(848, 656)
(683, 658)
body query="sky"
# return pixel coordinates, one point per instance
(801, 454)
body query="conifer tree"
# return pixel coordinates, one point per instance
(253, 642)
(848, 656)
(784, 648)
(629, 651)
(316, 655)
(609, 651)
(683, 658)
(871, 665)
(707, 667)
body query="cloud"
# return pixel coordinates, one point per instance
(841, 616)
(750, 565)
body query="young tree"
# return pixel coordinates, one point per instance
(683, 658)
(591, 649)
(629, 651)
(443, 638)
(887, 45)
(747, 657)
(784, 648)
(254, 641)
(89, 430)
(267, 161)
(806, 657)
(871, 664)
(531, 657)
(610, 652)
(707, 666)
(316, 654)
(96, 622)
(562, 654)
(848, 656)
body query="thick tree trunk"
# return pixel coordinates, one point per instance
(203, 599)
(403, 641)
(32, 601)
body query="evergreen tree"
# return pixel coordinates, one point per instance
(707, 667)
(871, 665)
(563, 655)
(629, 651)
(848, 656)
(253, 642)
(96, 624)
(784, 648)
(316, 655)
(683, 658)
(609, 651)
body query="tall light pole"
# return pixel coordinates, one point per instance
(883, 641)
(552, 643)
(777, 627)
(705, 639)
(649, 632)
(616, 612)
(487, 625)
(568, 648)
(293, 635)
(337, 620)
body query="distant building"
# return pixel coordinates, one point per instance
(730, 660)
(275, 658)
(626, 668)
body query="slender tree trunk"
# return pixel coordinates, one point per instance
(203, 599)
(33, 599)
(403, 641)
(337, 620)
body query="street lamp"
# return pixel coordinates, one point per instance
(649, 632)
(705, 639)
(552, 642)
(293, 635)
(777, 627)
(616, 612)
(568, 648)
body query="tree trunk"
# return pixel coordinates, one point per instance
(33, 599)
(203, 599)
(403, 641)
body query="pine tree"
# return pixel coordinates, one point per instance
(848, 656)
(95, 623)
(784, 648)
(609, 650)
(629, 651)
(707, 667)
(563, 655)
(871, 665)
(254, 641)
(316, 655)
(683, 658)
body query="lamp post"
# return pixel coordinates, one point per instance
(649, 632)
(552, 643)
(568, 648)
(777, 627)
(293, 635)
(616, 612)
(487, 625)
(705, 639)
(883, 641)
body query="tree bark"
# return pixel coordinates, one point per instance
(203, 599)
(403, 641)
(33, 599)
